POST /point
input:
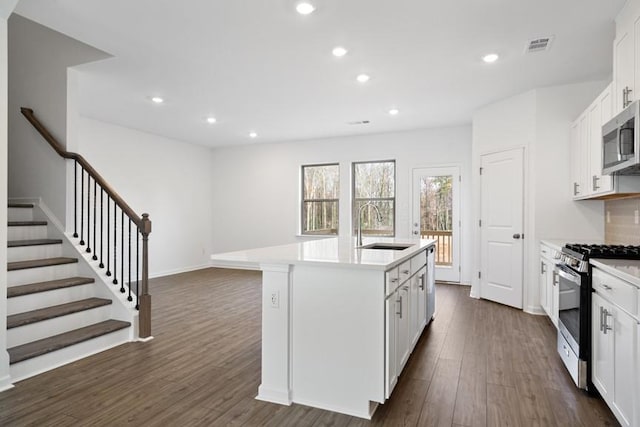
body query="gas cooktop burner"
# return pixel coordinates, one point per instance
(585, 251)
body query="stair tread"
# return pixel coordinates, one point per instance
(29, 317)
(47, 345)
(35, 263)
(33, 242)
(33, 288)
(20, 205)
(26, 223)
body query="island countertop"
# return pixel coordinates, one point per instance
(335, 251)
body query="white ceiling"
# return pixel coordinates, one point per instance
(257, 65)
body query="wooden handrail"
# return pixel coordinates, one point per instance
(142, 223)
(58, 148)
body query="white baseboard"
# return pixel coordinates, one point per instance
(535, 310)
(5, 383)
(178, 271)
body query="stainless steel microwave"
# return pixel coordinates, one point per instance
(620, 147)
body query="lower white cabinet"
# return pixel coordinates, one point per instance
(548, 285)
(614, 355)
(408, 308)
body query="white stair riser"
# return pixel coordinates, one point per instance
(27, 232)
(46, 362)
(20, 214)
(47, 299)
(24, 253)
(41, 274)
(57, 325)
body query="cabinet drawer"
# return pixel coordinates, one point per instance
(392, 280)
(418, 261)
(616, 290)
(405, 271)
(545, 251)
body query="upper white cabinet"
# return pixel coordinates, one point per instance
(626, 56)
(586, 150)
(586, 154)
(624, 67)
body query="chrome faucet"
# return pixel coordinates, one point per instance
(359, 230)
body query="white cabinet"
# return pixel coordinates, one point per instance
(407, 305)
(548, 284)
(623, 67)
(431, 284)
(403, 350)
(598, 114)
(614, 349)
(586, 154)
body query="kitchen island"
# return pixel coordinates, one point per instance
(339, 322)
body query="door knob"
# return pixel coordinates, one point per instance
(516, 236)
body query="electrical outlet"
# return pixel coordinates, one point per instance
(275, 299)
(636, 217)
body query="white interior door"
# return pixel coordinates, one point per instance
(501, 227)
(436, 215)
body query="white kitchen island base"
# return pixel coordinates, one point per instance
(324, 323)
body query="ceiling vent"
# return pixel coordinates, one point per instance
(539, 44)
(359, 122)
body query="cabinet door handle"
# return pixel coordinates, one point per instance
(394, 280)
(421, 286)
(405, 271)
(555, 279)
(605, 327)
(601, 317)
(543, 268)
(595, 179)
(607, 287)
(575, 188)
(399, 302)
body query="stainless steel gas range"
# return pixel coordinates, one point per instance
(573, 274)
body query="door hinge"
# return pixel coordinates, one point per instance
(479, 223)
(480, 171)
(479, 275)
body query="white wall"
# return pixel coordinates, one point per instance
(5, 9)
(38, 62)
(169, 179)
(538, 120)
(268, 176)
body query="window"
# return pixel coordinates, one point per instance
(320, 194)
(374, 185)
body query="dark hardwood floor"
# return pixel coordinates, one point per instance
(478, 364)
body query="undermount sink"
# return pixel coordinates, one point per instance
(387, 246)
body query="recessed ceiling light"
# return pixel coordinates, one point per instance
(363, 78)
(253, 135)
(394, 111)
(492, 57)
(157, 100)
(339, 51)
(305, 8)
(211, 120)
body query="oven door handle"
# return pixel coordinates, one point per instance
(568, 276)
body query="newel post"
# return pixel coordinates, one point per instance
(144, 314)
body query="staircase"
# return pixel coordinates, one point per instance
(56, 312)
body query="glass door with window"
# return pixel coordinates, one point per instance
(436, 215)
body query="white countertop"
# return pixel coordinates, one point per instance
(625, 269)
(332, 251)
(556, 244)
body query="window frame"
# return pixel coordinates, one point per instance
(303, 200)
(355, 200)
